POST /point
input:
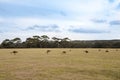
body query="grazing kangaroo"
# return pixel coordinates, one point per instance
(48, 51)
(106, 51)
(64, 52)
(14, 52)
(86, 51)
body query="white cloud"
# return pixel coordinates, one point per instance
(76, 13)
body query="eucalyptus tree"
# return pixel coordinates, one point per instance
(29, 42)
(56, 41)
(65, 42)
(37, 41)
(44, 41)
(6, 43)
(16, 42)
(45, 38)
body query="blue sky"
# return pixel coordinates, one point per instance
(76, 19)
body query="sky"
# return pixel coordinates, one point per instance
(76, 19)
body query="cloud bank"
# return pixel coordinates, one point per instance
(77, 19)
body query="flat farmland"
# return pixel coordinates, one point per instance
(60, 64)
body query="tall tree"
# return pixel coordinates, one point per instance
(6, 43)
(65, 42)
(29, 43)
(37, 41)
(45, 38)
(44, 41)
(16, 42)
(56, 41)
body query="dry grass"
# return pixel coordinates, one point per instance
(35, 64)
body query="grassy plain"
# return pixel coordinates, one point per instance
(36, 64)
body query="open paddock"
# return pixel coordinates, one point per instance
(75, 64)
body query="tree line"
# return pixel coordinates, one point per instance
(45, 42)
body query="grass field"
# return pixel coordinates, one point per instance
(36, 64)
